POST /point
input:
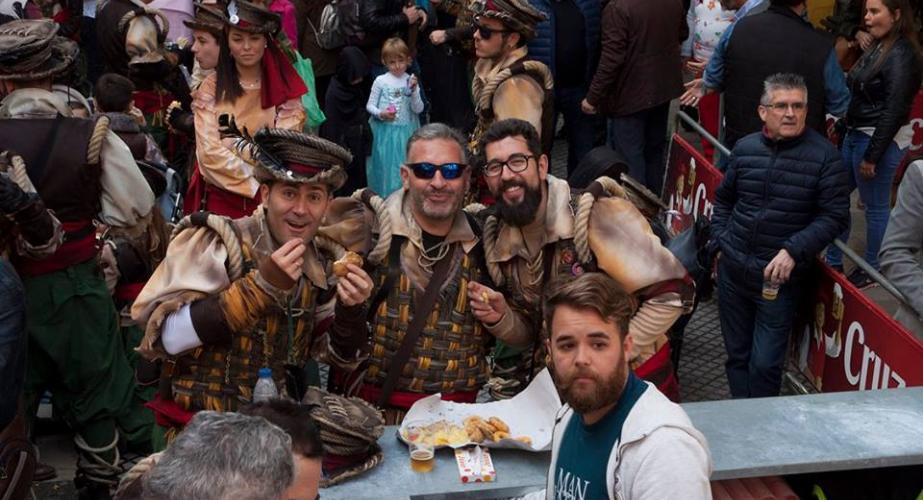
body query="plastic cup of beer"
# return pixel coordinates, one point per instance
(770, 289)
(422, 456)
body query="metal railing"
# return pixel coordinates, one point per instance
(704, 133)
(871, 271)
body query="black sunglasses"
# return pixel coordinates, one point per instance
(426, 170)
(486, 32)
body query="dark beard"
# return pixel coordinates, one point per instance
(607, 391)
(524, 213)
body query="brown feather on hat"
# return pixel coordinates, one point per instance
(287, 156)
(30, 50)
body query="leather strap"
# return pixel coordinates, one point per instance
(394, 270)
(421, 312)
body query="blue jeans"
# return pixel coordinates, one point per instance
(581, 127)
(641, 138)
(12, 341)
(756, 333)
(875, 194)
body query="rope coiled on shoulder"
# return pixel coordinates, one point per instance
(610, 187)
(377, 204)
(95, 147)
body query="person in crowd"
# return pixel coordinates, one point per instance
(207, 33)
(347, 121)
(506, 84)
(782, 200)
(900, 253)
(221, 456)
(113, 99)
(567, 41)
(29, 231)
(848, 28)
(445, 57)
(742, 61)
(323, 61)
(883, 83)
(71, 320)
(394, 105)
(288, 16)
(535, 233)
(307, 448)
(707, 21)
(617, 436)
(256, 85)
(272, 307)
(427, 248)
(640, 43)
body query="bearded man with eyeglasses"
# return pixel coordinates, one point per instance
(425, 337)
(783, 199)
(539, 229)
(506, 84)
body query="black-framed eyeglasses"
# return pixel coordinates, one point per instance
(427, 170)
(486, 32)
(517, 162)
(782, 107)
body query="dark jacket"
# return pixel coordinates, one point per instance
(541, 48)
(883, 93)
(323, 62)
(775, 41)
(640, 65)
(381, 19)
(789, 194)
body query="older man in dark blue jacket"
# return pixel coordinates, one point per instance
(783, 199)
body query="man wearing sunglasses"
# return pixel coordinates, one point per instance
(425, 338)
(536, 233)
(505, 84)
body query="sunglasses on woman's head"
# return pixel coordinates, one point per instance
(426, 170)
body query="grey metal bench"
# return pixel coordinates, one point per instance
(747, 438)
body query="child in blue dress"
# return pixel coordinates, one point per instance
(394, 105)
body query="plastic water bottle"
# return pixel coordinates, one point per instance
(265, 388)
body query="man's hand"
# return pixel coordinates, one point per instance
(695, 90)
(414, 15)
(587, 108)
(437, 37)
(779, 269)
(865, 40)
(354, 288)
(867, 170)
(283, 268)
(487, 305)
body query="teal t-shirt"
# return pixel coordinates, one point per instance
(580, 472)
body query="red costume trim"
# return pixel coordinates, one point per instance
(68, 254)
(404, 400)
(280, 80)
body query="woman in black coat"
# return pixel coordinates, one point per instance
(347, 121)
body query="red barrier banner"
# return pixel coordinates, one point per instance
(846, 342)
(842, 340)
(690, 187)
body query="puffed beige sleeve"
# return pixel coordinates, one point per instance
(520, 97)
(126, 199)
(290, 115)
(218, 164)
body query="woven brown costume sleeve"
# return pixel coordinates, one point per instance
(245, 302)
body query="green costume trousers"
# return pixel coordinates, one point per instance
(76, 352)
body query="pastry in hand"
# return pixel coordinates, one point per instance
(339, 267)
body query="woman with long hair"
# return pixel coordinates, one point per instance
(883, 84)
(257, 86)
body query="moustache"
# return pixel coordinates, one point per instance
(504, 185)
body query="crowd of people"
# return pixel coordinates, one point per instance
(205, 200)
